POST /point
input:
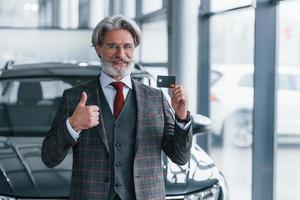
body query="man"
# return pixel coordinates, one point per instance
(116, 126)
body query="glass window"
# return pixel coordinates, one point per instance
(214, 76)
(31, 45)
(217, 5)
(288, 126)
(19, 13)
(65, 14)
(130, 7)
(154, 47)
(155, 71)
(284, 82)
(232, 47)
(227, 33)
(150, 6)
(246, 81)
(295, 83)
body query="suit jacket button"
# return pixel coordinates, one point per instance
(117, 164)
(118, 144)
(118, 184)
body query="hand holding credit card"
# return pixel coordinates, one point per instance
(166, 81)
(179, 101)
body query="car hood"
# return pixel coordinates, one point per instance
(25, 175)
(198, 174)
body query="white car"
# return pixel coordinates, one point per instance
(232, 104)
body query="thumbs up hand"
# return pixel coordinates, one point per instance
(84, 117)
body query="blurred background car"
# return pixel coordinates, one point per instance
(231, 109)
(29, 97)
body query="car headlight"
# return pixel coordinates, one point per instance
(7, 198)
(211, 193)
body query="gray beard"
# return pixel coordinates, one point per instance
(110, 70)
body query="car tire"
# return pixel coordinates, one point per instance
(238, 129)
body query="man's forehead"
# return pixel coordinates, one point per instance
(118, 36)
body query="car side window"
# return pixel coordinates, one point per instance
(54, 88)
(10, 92)
(28, 105)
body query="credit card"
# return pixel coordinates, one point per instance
(165, 81)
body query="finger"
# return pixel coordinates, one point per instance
(180, 98)
(178, 91)
(181, 101)
(83, 99)
(95, 115)
(178, 95)
(94, 123)
(172, 85)
(93, 108)
(91, 114)
(90, 120)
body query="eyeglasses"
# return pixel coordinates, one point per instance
(113, 48)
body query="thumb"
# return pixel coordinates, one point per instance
(83, 99)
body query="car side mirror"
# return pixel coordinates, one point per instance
(201, 124)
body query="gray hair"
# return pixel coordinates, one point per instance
(116, 22)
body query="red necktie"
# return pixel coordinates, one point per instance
(119, 98)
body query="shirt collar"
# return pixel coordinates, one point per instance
(106, 80)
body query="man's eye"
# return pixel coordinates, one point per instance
(112, 46)
(128, 46)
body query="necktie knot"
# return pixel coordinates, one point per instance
(118, 85)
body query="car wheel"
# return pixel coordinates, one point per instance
(238, 129)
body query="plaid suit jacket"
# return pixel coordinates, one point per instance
(156, 131)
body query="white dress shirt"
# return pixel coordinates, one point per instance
(110, 93)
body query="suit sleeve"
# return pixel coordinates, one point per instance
(58, 142)
(177, 142)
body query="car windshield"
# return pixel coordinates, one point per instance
(28, 105)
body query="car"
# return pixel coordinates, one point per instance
(30, 95)
(232, 105)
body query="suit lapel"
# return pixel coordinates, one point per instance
(92, 89)
(140, 99)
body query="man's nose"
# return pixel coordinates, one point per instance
(120, 52)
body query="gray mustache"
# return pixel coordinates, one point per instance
(122, 59)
